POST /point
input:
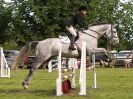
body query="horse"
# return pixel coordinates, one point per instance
(47, 49)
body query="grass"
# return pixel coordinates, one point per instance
(112, 83)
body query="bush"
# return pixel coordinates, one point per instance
(10, 45)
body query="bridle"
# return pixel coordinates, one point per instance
(112, 34)
(105, 35)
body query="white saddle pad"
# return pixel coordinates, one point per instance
(64, 39)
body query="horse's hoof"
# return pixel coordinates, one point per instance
(25, 87)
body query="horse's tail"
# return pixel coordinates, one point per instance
(23, 52)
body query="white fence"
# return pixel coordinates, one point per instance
(4, 69)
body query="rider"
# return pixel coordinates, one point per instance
(77, 19)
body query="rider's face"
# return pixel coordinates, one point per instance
(84, 12)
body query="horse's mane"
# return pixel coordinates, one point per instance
(102, 23)
(80, 30)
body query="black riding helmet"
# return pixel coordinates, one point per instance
(82, 8)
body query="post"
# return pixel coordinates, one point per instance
(50, 66)
(73, 65)
(58, 80)
(82, 79)
(94, 72)
(5, 70)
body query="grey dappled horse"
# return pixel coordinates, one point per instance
(48, 48)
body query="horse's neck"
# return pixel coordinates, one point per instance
(96, 31)
(92, 35)
(101, 28)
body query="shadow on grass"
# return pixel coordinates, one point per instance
(45, 92)
(41, 92)
(36, 92)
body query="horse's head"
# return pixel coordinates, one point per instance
(111, 33)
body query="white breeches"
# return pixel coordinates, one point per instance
(72, 30)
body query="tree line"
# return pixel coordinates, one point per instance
(22, 21)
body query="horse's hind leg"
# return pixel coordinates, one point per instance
(25, 83)
(38, 63)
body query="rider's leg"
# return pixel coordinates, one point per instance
(77, 37)
(72, 38)
(72, 43)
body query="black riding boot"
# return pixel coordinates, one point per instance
(77, 37)
(72, 43)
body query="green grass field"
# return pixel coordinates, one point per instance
(112, 83)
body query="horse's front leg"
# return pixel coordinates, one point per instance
(26, 81)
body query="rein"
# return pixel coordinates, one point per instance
(94, 31)
(89, 34)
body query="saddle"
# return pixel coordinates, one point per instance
(66, 40)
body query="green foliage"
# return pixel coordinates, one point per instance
(22, 21)
(10, 45)
(5, 19)
(124, 20)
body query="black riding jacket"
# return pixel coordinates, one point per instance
(77, 19)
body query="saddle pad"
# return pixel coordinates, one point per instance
(64, 39)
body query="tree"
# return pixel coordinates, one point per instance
(104, 12)
(5, 16)
(29, 20)
(124, 22)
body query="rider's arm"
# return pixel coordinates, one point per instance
(80, 20)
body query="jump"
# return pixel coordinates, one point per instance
(47, 49)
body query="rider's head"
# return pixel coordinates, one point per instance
(83, 9)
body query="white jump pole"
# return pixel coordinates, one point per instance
(73, 64)
(5, 70)
(58, 80)
(70, 63)
(82, 79)
(50, 66)
(94, 72)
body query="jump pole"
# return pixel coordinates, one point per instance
(59, 79)
(94, 71)
(50, 66)
(73, 67)
(82, 79)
